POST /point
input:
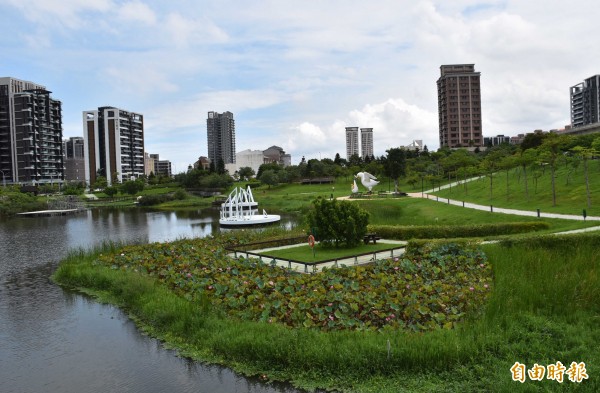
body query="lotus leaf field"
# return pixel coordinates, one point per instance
(434, 288)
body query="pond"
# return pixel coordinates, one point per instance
(53, 340)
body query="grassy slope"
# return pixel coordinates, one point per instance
(570, 198)
(543, 308)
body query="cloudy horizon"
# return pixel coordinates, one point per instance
(295, 74)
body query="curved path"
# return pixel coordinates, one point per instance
(500, 209)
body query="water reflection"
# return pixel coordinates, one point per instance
(56, 341)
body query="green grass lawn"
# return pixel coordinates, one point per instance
(304, 253)
(415, 211)
(570, 191)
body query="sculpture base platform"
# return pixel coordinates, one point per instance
(258, 219)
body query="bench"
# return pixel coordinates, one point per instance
(371, 237)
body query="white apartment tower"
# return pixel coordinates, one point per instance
(366, 142)
(351, 141)
(114, 144)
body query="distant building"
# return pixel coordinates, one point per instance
(31, 146)
(416, 144)
(351, 141)
(366, 142)
(114, 144)
(585, 102)
(277, 155)
(220, 131)
(249, 158)
(459, 106)
(74, 159)
(203, 163)
(496, 140)
(148, 164)
(163, 168)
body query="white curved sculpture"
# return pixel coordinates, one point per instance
(367, 180)
(240, 209)
(354, 187)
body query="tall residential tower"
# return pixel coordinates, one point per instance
(31, 148)
(366, 142)
(585, 102)
(220, 132)
(114, 144)
(351, 142)
(459, 106)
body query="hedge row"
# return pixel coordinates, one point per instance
(156, 199)
(455, 231)
(562, 242)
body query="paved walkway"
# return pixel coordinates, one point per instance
(501, 210)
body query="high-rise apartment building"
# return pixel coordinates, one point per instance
(366, 142)
(31, 149)
(220, 132)
(585, 102)
(351, 142)
(74, 159)
(459, 106)
(114, 144)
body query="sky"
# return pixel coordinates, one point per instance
(296, 73)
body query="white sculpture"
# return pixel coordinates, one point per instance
(354, 187)
(367, 180)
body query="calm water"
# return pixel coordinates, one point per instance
(57, 341)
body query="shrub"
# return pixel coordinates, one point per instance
(453, 231)
(338, 223)
(150, 200)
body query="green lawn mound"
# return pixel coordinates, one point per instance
(304, 253)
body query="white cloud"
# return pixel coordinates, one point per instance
(137, 79)
(59, 12)
(137, 11)
(199, 31)
(298, 74)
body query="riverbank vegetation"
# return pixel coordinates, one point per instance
(13, 201)
(533, 301)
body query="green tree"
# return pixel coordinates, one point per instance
(490, 165)
(337, 160)
(586, 153)
(526, 158)
(100, 183)
(214, 180)
(111, 191)
(132, 187)
(220, 166)
(507, 163)
(269, 177)
(551, 150)
(394, 165)
(246, 172)
(338, 223)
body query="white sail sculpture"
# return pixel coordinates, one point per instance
(240, 209)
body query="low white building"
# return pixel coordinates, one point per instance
(249, 158)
